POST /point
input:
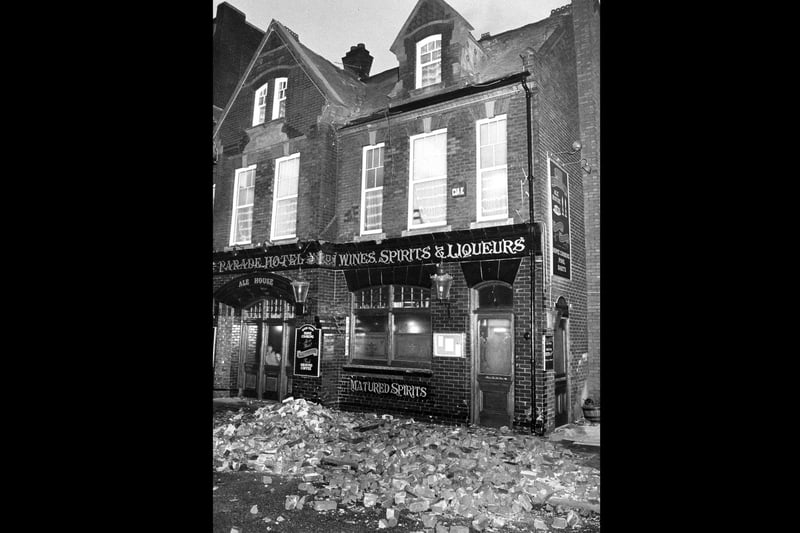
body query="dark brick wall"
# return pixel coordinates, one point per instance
(235, 42)
(304, 102)
(586, 23)
(556, 127)
(316, 187)
(329, 204)
(461, 162)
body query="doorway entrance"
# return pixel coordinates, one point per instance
(561, 363)
(493, 368)
(267, 344)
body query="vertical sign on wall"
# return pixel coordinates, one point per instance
(548, 351)
(308, 340)
(214, 348)
(559, 214)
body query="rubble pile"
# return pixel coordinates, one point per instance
(488, 475)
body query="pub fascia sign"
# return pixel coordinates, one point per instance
(503, 247)
(392, 387)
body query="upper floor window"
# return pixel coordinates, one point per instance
(260, 105)
(372, 189)
(242, 219)
(427, 195)
(492, 170)
(279, 99)
(392, 325)
(284, 204)
(429, 61)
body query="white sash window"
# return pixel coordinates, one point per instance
(284, 205)
(242, 219)
(428, 181)
(429, 61)
(372, 189)
(260, 105)
(279, 99)
(492, 169)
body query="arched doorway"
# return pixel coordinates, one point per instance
(493, 366)
(258, 312)
(561, 362)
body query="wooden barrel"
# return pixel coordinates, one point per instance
(592, 414)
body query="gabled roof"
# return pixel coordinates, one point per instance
(502, 60)
(444, 5)
(335, 85)
(503, 50)
(376, 94)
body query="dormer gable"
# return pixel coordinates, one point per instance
(435, 49)
(280, 67)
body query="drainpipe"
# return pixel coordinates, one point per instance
(536, 427)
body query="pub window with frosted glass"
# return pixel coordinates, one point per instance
(392, 326)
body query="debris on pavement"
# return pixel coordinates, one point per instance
(432, 471)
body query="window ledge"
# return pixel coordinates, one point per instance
(370, 237)
(491, 223)
(292, 240)
(388, 371)
(434, 229)
(428, 89)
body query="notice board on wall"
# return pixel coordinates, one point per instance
(448, 344)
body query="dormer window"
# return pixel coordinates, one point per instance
(429, 61)
(279, 100)
(260, 106)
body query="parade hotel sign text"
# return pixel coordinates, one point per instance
(387, 256)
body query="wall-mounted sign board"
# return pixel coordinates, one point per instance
(448, 344)
(308, 340)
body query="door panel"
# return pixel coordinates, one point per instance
(560, 367)
(273, 358)
(251, 335)
(495, 372)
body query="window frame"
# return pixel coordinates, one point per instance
(364, 190)
(276, 98)
(275, 199)
(235, 207)
(418, 60)
(390, 311)
(411, 181)
(480, 171)
(257, 108)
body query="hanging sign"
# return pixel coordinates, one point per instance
(559, 204)
(307, 346)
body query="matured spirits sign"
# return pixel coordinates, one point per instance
(307, 345)
(387, 387)
(559, 204)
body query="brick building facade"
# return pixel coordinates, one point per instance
(370, 188)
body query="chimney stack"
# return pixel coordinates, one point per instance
(358, 61)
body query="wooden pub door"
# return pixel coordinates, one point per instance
(267, 340)
(560, 367)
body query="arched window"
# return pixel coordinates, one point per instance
(279, 99)
(392, 326)
(429, 61)
(495, 295)
(260, 105)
